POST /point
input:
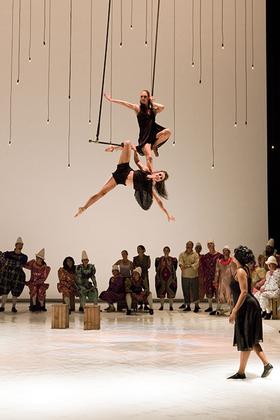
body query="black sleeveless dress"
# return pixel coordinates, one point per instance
(148, 129)
(248, 323)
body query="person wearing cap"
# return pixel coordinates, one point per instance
(136, 291)
(208, 264)
(225, 271)
(270, 289)
(271, 251)
(188, 263)
(12, 276)
(166, 279)
(86, 282)
(37, 286)
(67, 281)
(116, 290)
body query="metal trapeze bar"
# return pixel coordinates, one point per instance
(104, 142)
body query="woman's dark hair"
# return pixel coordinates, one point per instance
(166, 247)
(244, 255)
(66, 267)
(145, 108)
(160, 186)
(142, 247)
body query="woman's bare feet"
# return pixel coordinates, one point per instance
(80, 211)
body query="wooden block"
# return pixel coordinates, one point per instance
(276, 308)
(91, 317)
(60, 315)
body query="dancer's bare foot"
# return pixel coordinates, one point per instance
(80, 211)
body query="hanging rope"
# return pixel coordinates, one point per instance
(212, 93)
(192, 33)
(174, 72)
(69, 86)
(235, 65)
(152, 38)
(44, 24)
(245, 63)
(252, 34)
(146, 23)
(90, 64)
(121, 24)
(131, 14)
(222, 28)
(30, 30)
(103, 80)
(200, 43)
(11, 71)
(49, 61)
(19, 36)
(111, 74)
(155, 49)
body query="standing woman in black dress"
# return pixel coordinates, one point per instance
(151, 135)
(246, 314)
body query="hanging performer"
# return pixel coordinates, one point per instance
(37, 286)
(151, 135)
(147, 186)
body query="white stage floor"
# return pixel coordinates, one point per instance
(172, 365)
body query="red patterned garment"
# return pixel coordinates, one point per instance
(36, 284)
(208, 264)
(67, 283)
(166, 280)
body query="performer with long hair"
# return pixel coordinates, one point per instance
(147, 185)
(151, 134)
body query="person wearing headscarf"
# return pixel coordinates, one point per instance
(12, 276)
(67, 281)
(136, 291)
(166, 279)
(116, 290)
(37, 286)
(225, 270)
(86, 282)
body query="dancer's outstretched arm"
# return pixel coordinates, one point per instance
(158, 107)
(129, 105)
(160, 203)
(104, 190)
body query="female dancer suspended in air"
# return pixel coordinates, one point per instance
(151, 135)
(147, 185)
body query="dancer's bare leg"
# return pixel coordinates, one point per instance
(148, 154)
(111, 184)
(244, 356)
(259, 352)
(161, 137)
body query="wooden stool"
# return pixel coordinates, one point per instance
(276, 308)
(91, 317)
(60, 315)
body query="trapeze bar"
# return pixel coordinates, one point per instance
(104, 142)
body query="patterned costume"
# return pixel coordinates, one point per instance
(166, 280)
(225, 270)
(137, 289)
(271, 289)
(12, 276)
(208, 264)
(36, 284)
(86, 288)
(115, 291)
(145, 264)
(67, 283)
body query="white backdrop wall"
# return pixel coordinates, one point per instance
(40, 195)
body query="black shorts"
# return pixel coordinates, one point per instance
(121, 173)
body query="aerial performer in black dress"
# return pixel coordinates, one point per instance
(246, 314)
(147, 185)
(151, 135)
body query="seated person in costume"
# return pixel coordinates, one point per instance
(37, 286)
(12, 276)
(67, 282)
(86, 282)
(147, 185)
(116, 290)
(136, 292)
(270, 289)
